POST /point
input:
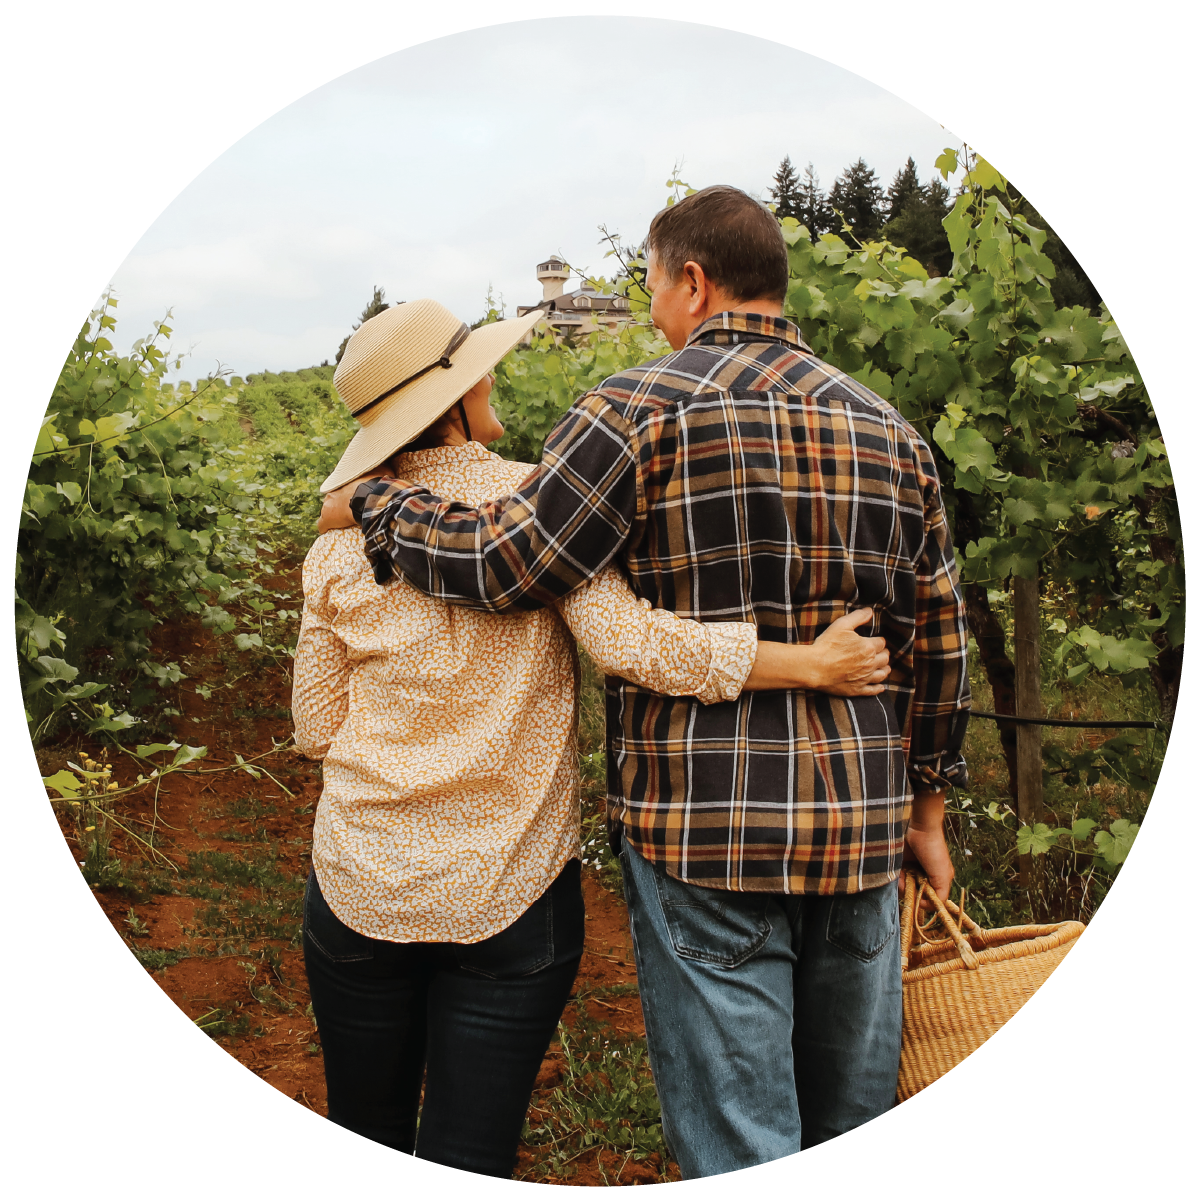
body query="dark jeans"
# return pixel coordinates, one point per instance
(478, 1017)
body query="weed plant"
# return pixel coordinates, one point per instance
(262, 989)
(594, 833)
(1098, 797)
(604, 1101)
(230, 1023)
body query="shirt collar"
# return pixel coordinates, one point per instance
(727, 329)
(446, 454)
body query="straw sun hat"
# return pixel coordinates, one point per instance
(404, 369)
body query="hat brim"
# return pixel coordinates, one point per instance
(402, 417)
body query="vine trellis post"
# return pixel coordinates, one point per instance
(1028, 673)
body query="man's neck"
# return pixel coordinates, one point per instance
(759, 308)
(750, 308)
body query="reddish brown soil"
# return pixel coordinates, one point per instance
(277, 1040)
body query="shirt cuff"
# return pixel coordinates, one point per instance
(359, 499)
(734, 645)
(371, 506)
(949, 772)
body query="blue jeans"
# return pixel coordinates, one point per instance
(773, 1022)
(475, 1017)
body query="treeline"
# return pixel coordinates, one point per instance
(909, 214)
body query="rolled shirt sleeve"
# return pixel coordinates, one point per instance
(942, 696)
(657, 650)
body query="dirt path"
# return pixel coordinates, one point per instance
(215, 918)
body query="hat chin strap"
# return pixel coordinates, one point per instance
(461, 336)
(463, 419)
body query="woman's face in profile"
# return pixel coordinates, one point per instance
(486, 427)
(481, 416)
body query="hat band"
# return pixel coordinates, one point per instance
(460, 337)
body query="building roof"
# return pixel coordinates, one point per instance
(582, 299)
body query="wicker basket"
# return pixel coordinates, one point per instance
(960, 988)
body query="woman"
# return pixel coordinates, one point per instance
(443, 919)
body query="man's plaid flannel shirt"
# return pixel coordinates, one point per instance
(739, 478)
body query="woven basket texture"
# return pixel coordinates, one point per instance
(950, 1008)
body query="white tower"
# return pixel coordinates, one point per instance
(553, 274)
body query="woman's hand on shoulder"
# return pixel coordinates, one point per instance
(840, 661)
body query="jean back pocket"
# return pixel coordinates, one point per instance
(520, 949)
(863, 923)
(328, 933)
(711, 925)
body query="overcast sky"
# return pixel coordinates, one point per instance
(461, 163)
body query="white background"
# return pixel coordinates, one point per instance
(110, 1091)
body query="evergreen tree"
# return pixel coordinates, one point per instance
(1071, 286)
(784, 190)
(905, 188)
(375, 306)
(812, 210)
(915, 220)
(857, 195)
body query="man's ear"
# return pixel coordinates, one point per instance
(700, 288)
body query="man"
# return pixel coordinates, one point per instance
(761, 839)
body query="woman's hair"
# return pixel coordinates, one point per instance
(426, 440)
(730, 235)
(434, 435)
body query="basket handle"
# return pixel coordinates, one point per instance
(918, 887)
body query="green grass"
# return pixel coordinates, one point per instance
(257, 835)
(156, 958)
(1070, 880)
(605, 1100)
(250, 897)
(221, 868)
(250, 808)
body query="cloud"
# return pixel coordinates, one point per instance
(462, 162)
(254, 349)
(262, 262)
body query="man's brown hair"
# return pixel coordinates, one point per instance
(730, 235)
